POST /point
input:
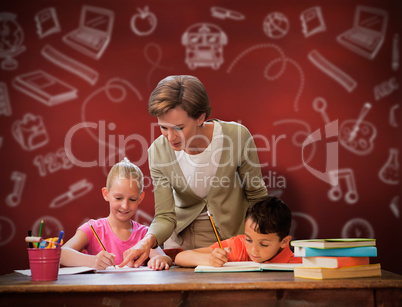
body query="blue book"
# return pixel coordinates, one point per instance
(363, 251)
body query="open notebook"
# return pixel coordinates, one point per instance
(247, 266)
(84, 269)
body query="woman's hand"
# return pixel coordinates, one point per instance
(159, 263)
(219, 256)
(102, 260)
(137, 255)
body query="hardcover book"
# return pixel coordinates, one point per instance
(334, 243)
(363, 251)
(370, 270)
(334, 262)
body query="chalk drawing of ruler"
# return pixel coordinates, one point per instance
(331, 70)
(69, 64)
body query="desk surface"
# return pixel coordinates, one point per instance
(183, 287)
(181, 279)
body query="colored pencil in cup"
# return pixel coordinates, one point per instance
(30, 235)
(60, 236)
(40, 231)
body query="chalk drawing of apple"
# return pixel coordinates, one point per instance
(144, 22)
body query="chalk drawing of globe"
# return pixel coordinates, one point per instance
(11, 38)
(275, 25)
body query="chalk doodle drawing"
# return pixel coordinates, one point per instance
(144, 22)
(224, 13)
(335, 193)
(51, 226)
(282, 59)
(312, 21)
(358, 228)
(389, 172)
(7, 233)
(358, 135)
(394, 206)
(14, 198)
(116, 84)
(11, 40)
(204, 45)
(93, 33)
(75, 191)
(47, 22)
(298, 218)
(276, 25)
(367, 33)
(155, 62)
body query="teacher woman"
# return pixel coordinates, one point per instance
(197, 165)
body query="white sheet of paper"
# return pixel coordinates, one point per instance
(83, 269)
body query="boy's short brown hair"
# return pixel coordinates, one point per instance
(271, 215)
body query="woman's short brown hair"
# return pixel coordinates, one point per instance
(182, 91)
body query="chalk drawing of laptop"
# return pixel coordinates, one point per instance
(368, 32)
(94, 31)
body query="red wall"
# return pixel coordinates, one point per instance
(267, 81)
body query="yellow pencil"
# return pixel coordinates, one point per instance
(213, 226)
(96, 235)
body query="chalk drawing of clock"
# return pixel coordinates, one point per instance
(7, 230)
(51, 227)
(299, 221)
(357, 228)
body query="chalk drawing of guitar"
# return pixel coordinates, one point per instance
(358, 135)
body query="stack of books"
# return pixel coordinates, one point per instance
(336, 258)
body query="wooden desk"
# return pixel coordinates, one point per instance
(183, 287)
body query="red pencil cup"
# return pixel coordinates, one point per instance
(44, 263)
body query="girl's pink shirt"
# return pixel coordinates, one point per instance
(111, 242)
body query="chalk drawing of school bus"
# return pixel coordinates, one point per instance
(204, 45)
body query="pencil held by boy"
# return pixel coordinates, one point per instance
(105, 240)
(266, 239)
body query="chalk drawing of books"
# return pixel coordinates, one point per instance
(312, 21)
(47, 22)
(44, 87)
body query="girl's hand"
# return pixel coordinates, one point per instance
(219, 256)
(103, 259)
(159, 262)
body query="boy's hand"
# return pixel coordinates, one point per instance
(103, 259)
(159, 263)
(219, 256)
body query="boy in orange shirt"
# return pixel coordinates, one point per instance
(266, 239)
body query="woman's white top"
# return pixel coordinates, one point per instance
(200, 169)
